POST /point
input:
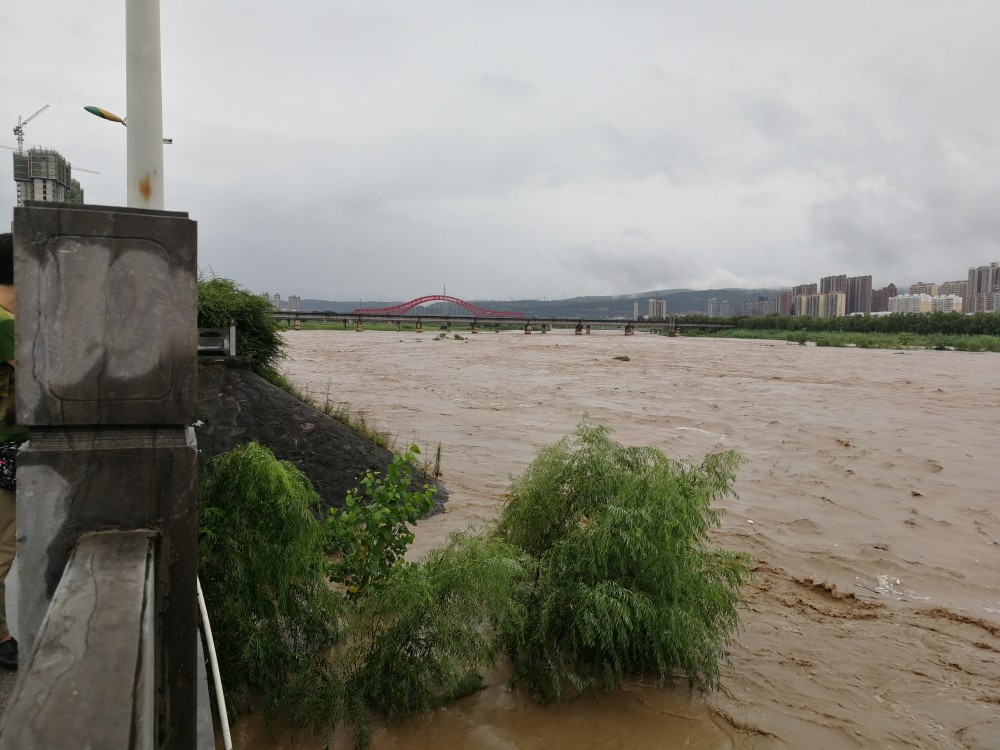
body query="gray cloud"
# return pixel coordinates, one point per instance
(526, 149)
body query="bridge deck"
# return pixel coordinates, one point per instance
(353, 317)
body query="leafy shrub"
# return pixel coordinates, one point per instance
(622, 358)
(371, 532)
(624, 579)
(257, 337)
(418, 637)
(262, 566)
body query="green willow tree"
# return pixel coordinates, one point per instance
(625, 579)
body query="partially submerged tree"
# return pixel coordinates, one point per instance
(625, 580)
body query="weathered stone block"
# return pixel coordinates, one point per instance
(91, 681)
(76, 480)
(106, 317)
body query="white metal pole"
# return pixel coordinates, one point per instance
(220, 699)
(144, 103)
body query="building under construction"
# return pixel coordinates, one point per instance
(42, 174)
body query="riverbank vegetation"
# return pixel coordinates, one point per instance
(257, 336)
(599, 567)
(977, 333)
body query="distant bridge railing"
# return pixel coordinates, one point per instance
(672, 326)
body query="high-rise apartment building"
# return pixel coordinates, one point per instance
(294, 302)
(712, 308)
(821, 305)
(657, 309)
(804, 290)
(859, 295)
(924, 287)
(785, 304)
(983, 280)
(759, 308)
(910, 303)
(881, 297)
(958, 288)
(946, 303)
(833, 284)
(42, 174)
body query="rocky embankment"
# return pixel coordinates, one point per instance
(236, 406)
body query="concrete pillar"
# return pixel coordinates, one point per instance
(498, 328)
(545, 327)
(107, 383)
(475, 327)
(629, 329)
(527, 328)
(360, 326)
(448, 327)
(399, 326)
(579, 329)
(297, 325)
(587, 329)
(419, 327)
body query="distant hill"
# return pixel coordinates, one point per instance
(679, 302)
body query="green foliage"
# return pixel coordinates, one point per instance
(598, 568)
(622, 358)
(257, 336)
(262, 567)
(418, 637)
(624, 578)
(371, 532)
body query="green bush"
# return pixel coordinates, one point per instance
(262, 566)
(419, 636)
(371, 533)
(598, 568)
(624, 580)
(257, 336)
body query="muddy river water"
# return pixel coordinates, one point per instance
(871, 500)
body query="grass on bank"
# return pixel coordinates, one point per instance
(937, 341)
(598, 568)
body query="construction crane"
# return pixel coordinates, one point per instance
(19, 128)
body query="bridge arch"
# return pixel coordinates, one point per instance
(405, 307)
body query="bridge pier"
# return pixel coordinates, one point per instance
(498, 328)
(629, 329)
(475, 327)
(360, 326)
(545, 327)
(579, 329)
(587, 329)
(447, 327)
(297, 325)
(419, 327)
(527, 328)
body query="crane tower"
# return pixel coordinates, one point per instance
(19, 128)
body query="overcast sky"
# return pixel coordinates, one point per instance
(355, 149)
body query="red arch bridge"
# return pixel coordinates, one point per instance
(405, 307)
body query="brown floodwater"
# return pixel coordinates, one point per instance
(870, 499)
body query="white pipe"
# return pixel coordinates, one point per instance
(144, 101)
(220, 699)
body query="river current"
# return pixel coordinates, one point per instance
(869, 499)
